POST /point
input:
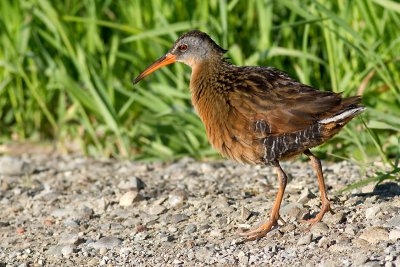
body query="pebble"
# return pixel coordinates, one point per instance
(204, 254)
(245, 214)
(58, 213)
(55, 251)
(128, 198)
(132, 183)
(68, 239)
(371, 212)
(360, 259)
(156, 209)
(305, 240)
(350, 229)
(324, 242)
(320, 228)
(292, 210)
(190, 229)
(337, 218)
(243, 258)
(177, 197)
(107, 242)
(13, 166)
(394, 221)
(375, 234)
(305, 196)
(67, 250)
(372, 264)
(177, 218)
(394, 234)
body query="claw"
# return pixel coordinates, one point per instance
(259, 232)
(325, 208)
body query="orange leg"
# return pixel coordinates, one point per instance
(316, 164)
(262, 230)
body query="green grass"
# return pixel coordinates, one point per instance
(66, 69)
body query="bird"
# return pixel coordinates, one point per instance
(259, 115)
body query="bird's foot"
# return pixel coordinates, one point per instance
(325, 208)
(262, 230)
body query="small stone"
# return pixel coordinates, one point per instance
(287, 228)
(350, 229)
(216, 233)
(58, 213)
(206, 168)
(319, 229)
(274, 234)
(305, 196)
(128, 198)
(156, 209)
(394, 221)
(107, 242)
(190, 229)
(360, 259)
(372, 264)
(141, 236)
(166, 238)
(204, 254)
(100, 205)
(305, 240)
(67, 250)
(243, 258)
(132, 183)
(13, 166)
(327, 263)
(375, 234)
(55, 251)
(71, 223)
(68, 239)
(84, 213)
(370, 213)
(172, 229)
(324, 242)
(394, 234)
(140, 228)
(177, 218)
(396, 263)
(337, 218)
(177, 197)
(245, 214)
(221, 202)
(292, 210)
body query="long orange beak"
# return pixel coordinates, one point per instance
(161, 62)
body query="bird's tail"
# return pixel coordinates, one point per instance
(343, 117)
(350, 108)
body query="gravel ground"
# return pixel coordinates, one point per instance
(74, 211)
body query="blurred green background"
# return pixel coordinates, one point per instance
(66, 69)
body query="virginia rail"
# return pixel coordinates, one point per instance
(258, 115)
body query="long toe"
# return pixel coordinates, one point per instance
(320, 215)
(259, 232)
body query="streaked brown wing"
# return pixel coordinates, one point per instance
(272, 100)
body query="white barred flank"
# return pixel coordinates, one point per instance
(343, 115)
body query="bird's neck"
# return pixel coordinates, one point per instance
(208, 93)
(204, 80)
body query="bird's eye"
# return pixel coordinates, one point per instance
(182, 47)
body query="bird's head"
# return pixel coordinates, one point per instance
(191, 48)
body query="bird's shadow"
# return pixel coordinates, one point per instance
(383, 191)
